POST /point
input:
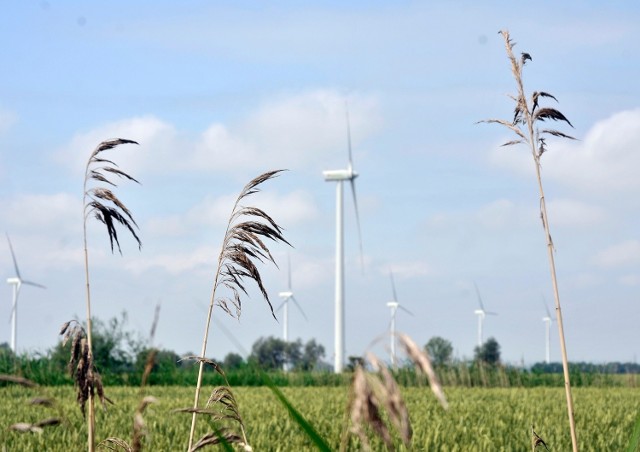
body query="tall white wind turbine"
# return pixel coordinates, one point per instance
(481, 313)
(287, 296)
(394, 305)
(340, 176)
(17, 283)
(547, 337)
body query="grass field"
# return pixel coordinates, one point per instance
(478, 418)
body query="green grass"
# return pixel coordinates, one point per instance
(478, 419)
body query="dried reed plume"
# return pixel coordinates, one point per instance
(242, 245)
(105, 206)
(527, 115)
(81, 366)
(223, 412)
(373, 394)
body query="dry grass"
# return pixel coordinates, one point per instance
(100, 202)
(376, 396)
(526, 118)
(243, 245)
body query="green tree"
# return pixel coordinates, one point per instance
(269, 353)
(233, 361)
(311, 356)
(489, 352)
(114, 348)
(440, 350)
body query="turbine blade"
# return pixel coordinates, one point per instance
(406, 310)
(13, 256)
(491, 313)
(299, 307)
(349, 136)
(479, 297)
(546, 307)
(281, 306)
(393, 287)
(31, 283)
(355, 205)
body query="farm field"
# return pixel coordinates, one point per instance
(478, 418)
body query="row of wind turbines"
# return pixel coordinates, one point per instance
(349, 175)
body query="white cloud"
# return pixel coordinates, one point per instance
(159, 146)
(606, 160)
(26, 212)
(176, 262)
(291, 132)
(287, 210)
(619, 255)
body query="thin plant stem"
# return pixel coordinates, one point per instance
(91, 413)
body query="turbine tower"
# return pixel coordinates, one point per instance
(394, 305)
(17, 283)
(340, 176)
(481, 313)
(547, 320)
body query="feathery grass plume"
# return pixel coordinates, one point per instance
(223, 412)
(423, 363)
(525, 122)
(371, 395)
(139, 430)
(81, 366)
(242, 246)
(100, 202)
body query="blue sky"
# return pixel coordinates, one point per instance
(217, 93)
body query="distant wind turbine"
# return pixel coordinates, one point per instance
(481, 313)
(394, 305)
(340, 176)
(547, 320)
(287, 296)
(17, 283)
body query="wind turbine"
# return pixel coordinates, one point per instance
(286, 296)
(340, 176)
(481, 313)
(547, 320)
(17, 282)
(394, 305)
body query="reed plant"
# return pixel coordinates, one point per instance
(242, 247)
(99, 202)
(528, 115)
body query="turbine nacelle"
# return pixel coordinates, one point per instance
(393, 304)
(339, 175)
(16, 281)
(287, 294)
(479, 312)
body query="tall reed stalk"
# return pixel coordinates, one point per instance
(103, 204)
(527, 115)
(242, 245)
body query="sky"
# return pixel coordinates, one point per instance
(219, 92)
